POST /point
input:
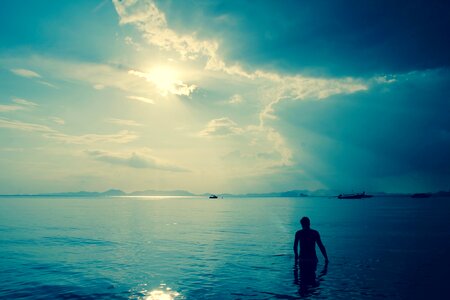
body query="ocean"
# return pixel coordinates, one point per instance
(238, 248)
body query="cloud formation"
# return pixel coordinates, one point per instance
(221, 127)
(57, 120)
(137, 159)
(142, 99)
(24, 102)
(121, 137)
(7, 108)
(25, 73)
(273, 87)
(123, 122)
(152, 23)
(235, 99)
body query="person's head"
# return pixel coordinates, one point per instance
(306, 223)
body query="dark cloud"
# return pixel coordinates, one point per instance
(397, 130)
(341, 37)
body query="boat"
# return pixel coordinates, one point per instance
(354, 196)
(213, 196)
(421, 195)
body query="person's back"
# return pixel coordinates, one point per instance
(307, 238)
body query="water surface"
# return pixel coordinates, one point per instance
(193, 248)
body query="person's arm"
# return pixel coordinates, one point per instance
(322, 248)
(296, 246)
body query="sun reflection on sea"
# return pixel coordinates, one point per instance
(161, 293)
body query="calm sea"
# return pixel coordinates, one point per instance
(192, 248)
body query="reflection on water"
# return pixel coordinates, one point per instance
(161, 293)
(305, 277)
(116, 248)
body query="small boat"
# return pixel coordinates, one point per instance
(421, 195)
(354, 196)
(213, 196)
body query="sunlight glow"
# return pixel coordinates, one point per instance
(164, 77)
(167, 80)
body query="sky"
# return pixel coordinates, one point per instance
(224, 96)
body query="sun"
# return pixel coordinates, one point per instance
(165, 78)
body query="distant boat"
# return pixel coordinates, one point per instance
(354, 196)
(421, 195)
(213, 197)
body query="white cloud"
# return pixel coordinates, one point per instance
(13, 124)
(31, 74)
(123, 136)
(129, 41)
(25, 73)
(141, 159)
(98, 76)
(6, 108)
(152, 23)
(307, 88)
(220, 127)
(47, 84)
(24, 102)
(142, 99)
(235, 99)
(123, 122)
(57, 120)
(98, 86)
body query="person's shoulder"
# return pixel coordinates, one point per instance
(299, 232)
(315, 232)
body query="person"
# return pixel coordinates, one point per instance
(307, 238)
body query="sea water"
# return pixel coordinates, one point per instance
(236, 248)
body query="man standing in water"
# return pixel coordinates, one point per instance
(308, 238)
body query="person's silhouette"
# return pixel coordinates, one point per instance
(308, 238)
(306, 279)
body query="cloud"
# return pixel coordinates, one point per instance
(7, 108)
(24, 102)
(142, 99)
(47, 84)
(57, 120)
(13, 124)
(136, 159)
(97, 75)
(129, 41)
(98, 86)
(121, 137)
(220, 127)
(31, 74)
(235, 99)
(152, 23)
(273, 88)
(308, 88)
(25, 73)
(123, 122)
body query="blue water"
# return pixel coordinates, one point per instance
(192, 248)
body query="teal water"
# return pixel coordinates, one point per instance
(192, 248)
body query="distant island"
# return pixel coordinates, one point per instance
(286, 194)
